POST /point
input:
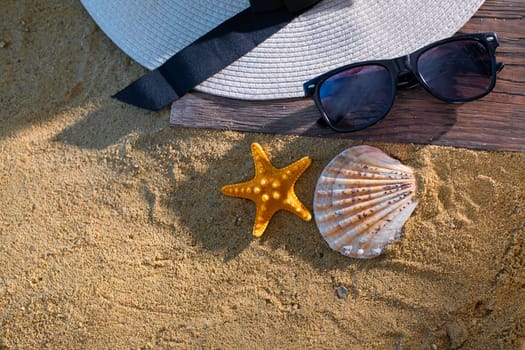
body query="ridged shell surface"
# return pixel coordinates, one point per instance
(362, 200)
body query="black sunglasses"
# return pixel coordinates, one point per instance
(457, 69)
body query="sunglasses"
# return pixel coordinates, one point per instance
(457, 69)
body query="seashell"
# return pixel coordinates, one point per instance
(362, 200)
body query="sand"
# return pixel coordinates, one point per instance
(114, 233)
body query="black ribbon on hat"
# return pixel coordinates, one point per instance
(212, 52)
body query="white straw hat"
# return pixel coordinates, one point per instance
(331, 34)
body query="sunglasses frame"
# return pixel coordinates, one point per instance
(406, 66)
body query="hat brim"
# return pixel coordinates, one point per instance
(150, 32)
(331, 34)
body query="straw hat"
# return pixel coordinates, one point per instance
(331, 34)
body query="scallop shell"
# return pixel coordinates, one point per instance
(362, 200)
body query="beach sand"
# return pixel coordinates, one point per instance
(114, 233)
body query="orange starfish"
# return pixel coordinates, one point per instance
(271, 189)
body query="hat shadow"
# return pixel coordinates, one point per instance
(192, 199)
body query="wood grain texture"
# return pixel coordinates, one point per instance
(496, 122)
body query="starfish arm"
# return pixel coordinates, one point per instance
(297, 168)
(263, 216)
(240, 190)
(260, 159)
(294, 205)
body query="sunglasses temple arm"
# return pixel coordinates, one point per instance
(499, 66)
(321, 122)
(309, 89)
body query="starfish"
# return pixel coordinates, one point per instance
(271, 189)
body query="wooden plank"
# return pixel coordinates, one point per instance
(496, 122)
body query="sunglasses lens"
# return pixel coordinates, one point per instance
(458, 70)
(357, 97)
